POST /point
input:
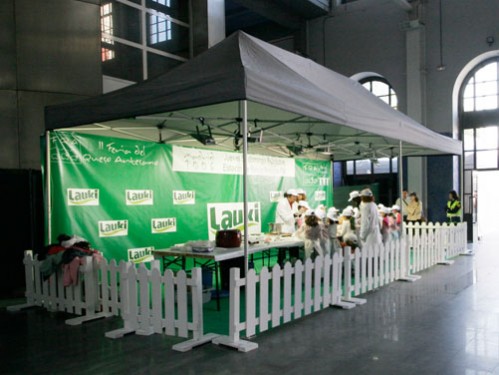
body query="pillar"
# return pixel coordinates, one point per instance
(416, 87)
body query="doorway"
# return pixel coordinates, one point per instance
(487, 183)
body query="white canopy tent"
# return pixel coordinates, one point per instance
(244, 86)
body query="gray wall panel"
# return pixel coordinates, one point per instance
(365, 36)
(7, 45)
(31, 123)
(9, 156)
(58, 45)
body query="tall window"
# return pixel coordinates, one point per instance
(160, 29)
(481, 148)
(368, 166)
(382, 89)
(106, 26)
(482, 89)
(135, 37)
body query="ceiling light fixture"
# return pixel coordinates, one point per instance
(295, 149)
(204, 137)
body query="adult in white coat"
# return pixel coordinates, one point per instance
(285, 213)
(370, 234)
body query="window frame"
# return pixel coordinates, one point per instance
(472, 76)
(391, 91)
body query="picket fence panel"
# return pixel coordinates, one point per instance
(151, 302)
(435, 243)
(306, 288)
(51, 294)
(147, 301)
(318, 284)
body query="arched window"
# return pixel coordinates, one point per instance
(380, 87)
(481, 88)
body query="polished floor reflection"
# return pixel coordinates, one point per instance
(446, 323)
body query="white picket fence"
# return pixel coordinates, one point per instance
(373, 267)
(80, 299)
(308, 288)
(437, 243)
(148, 301)
(328, 281)
(151, 302)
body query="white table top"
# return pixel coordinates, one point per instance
(220, 253)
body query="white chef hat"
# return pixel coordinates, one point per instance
(332, 214)
(347, 212)
(366, 193)
(304, 204)
(353, 194)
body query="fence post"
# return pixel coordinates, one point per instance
(29, 277)
(464, 239)
(348, 302)
(402, 247)
(126, 300)
(89, 276)
(233, 339)
(444, 244)
(199, 338)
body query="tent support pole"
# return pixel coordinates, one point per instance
(407, 276)
(48, 192)
(401, 181)
(244, 111)
(461, 182)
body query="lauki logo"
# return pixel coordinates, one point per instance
(230, 216)
(165, 225)
(320, 195)
(113, 228)
(184, 197)
(139, 197)
(83, 197)
(142, 254)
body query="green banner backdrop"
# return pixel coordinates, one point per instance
(129, 197)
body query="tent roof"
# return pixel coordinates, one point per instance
(296, 102)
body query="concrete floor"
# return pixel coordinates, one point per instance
(446, 323)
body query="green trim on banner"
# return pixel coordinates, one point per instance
(130, 197)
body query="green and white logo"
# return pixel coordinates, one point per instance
(276, 196)
(141, 254)
(165, 225)
(230, 216)
(83, 197)
(113, 228)
(139, 197)
(320, 195)
(184, 197)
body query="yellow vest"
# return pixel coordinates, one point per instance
(452, 205)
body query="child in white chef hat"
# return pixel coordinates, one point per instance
(314, 234)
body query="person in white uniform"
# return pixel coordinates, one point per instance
(355, 201)
(314, 235)
(346, 230)
(332, 227)
(370, 234)
(285, 213)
